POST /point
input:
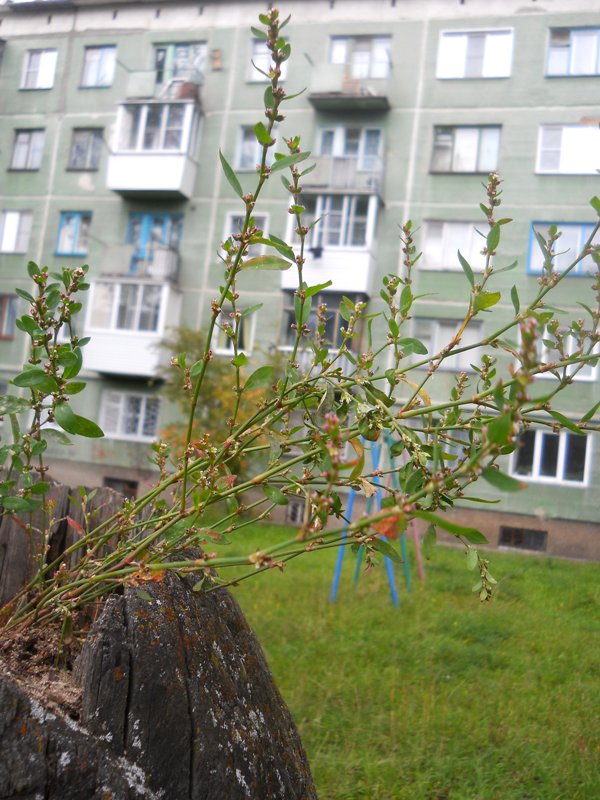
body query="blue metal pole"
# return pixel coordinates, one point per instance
(340, 556)
(389, 567)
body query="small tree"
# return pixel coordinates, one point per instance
(303, 421)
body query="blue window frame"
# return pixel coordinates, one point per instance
(573, 237)
(149, 233)
(73, 233)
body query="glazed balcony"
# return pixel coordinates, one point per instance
(333, 88)
(154, 146)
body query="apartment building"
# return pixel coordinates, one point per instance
(112, 116)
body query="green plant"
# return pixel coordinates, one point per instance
(329, 399)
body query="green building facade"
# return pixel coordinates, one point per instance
(112, 117)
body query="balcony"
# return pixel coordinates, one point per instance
(350, 269)
(159, 263)
(154, 146)
(332, 88)
(345, 173)
(126, 320)
(305, 359)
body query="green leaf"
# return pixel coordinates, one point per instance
(386, 549)
(282, 247)
(470, 534)
(499, 429)
(275, 495)
(36, 378)
(393, 327)
(486, 300)
(429, 541)
(281, 161)
(410, 345)
(586, 417)
(512, 265)
(239, 360)
(263, 376)
(302, 310)
(22, 505)
(397, 449)
(347, 308)
(54, 433)
(73, 423)
(9, 404)
(196, 368)
(472, 558)
(406, 300)
(565, 422)
(493, 238)
(310, 291)
(33, 270)
(259, 33)
(466, 268)
(501, 481)
(262, 134)
(595, 204)
(514, 296)
(25, 295)
(27, 324)
(247, 311)
(144, 595)
(267, 262)
(231, 176)
(268, 98)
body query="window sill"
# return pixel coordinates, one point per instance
(465, 172)
(70, 255)
(475, 78)
(82, 169)
(573, 75)
(592, 174)
(124, 438)
(35, 88)
(24, 169)
(549, 481)
(98, 86)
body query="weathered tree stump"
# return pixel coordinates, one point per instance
(177, 703)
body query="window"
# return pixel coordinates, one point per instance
(249, 151)
(523, 538)
(443, 240)
(98, 66)
(153, 234)
(86, 148)
(8, 315)
(549, 353)
(128, 489)
(436, 334)
(343, 220)
(15, 227)
(569, 149)
(468, 149)
(234, 223)
(27, 149)
(39, 67)
(361, 146)
(574, 51)
(551, 457)
(126, 415)
(573, 237)
(156, 127)
(222, 341)
(261, 62)
(364, 56)
(333, 319)
(294, 512)
(183, 60)
(126, 306)
(73, 233)
(475, 54)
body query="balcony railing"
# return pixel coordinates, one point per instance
(333, 88)
(157, 263)
(305, 359)
(346, 173)
(350, 269)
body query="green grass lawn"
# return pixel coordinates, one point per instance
(442, 698)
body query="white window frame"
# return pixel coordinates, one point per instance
(28, 149)
(222, 344)
(15, 230)
(351, 51)
(98, 69)
(535, 476)
(365, 162)
(8, 316)
(249, 150)
(118, 400)
(81, 222)
(41, 75)
(260, 55)
(454, 140)
(195, 61)
(139, 308)
(333, 301)
(233, 223)
(577, 151)
(436, 334)
(454, 62)
(93, 139)
(549, 355)
(442, 239)
(568, 52)
(317, 238)
(578, 233)
(136, 120)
